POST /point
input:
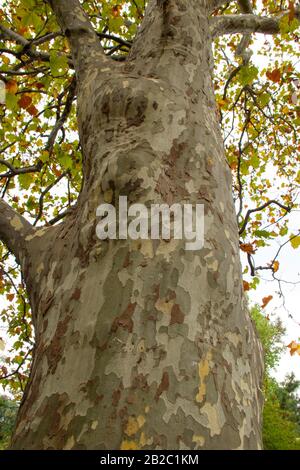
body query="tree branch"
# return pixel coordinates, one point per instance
(75, 24)
(241, 50)
(214, 4)
(10, 35)
(245, 6)
(27, 49)
(246, 23)
(14, 228)
(260, 208)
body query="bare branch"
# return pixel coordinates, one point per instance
(28, 49)
(246, 24)
(7, 33)
(214, 4)
(84, 42)
(14, 228)
(19, 171)
(260, 208)
(10, 35)
(61, 121)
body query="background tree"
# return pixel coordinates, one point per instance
(164, 359)
(8, 411)
(280, 428)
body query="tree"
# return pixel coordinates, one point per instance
(288, 398)
(8, 410)
(281, 406)
(138, 343)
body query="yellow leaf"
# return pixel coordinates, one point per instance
(294, 348)
(275, 266)
(295, 241)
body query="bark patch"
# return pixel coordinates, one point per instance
(54, 351)
(125, 321)
(163, 386)
(177, 315)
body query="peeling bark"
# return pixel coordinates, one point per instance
(141, 344)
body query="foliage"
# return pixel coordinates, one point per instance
(271, 337)
(8, 410)
(281, 413)
(280, 432)
(288, 398)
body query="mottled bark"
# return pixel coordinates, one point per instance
(246, 24)
(141, 344)
(13, 230)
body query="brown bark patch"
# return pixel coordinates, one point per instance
(127, 261)
(76, 294)
(177, 315)
(116, 397)
(54, 351)
(163, 386)
(140, 382)
(125, 320)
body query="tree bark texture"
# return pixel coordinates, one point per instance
(141, 344)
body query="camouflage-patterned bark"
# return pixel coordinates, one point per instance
(141, 344)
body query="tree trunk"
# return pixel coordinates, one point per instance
(141, 344)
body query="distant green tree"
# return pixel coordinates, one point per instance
(271, 334)
(280, 432)
(8, 411)
(281, 413)
(288, 398)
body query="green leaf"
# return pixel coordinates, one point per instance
(58, 64)
(25, 180)
(264, 234)
(11, 101)
(247, 74)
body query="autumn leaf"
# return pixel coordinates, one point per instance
(275, 75)
(295, 241)
(246, 286)
(22, 30)
(294, 348)
(266, 300)
(11, 87)
(32, 110)
(39, 85)
(10, 297)
(291, 11)
(116, 10)
(247, 248)
(275, 266)
(25, 101)
(5, 59)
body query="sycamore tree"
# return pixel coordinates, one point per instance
(141, 344)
